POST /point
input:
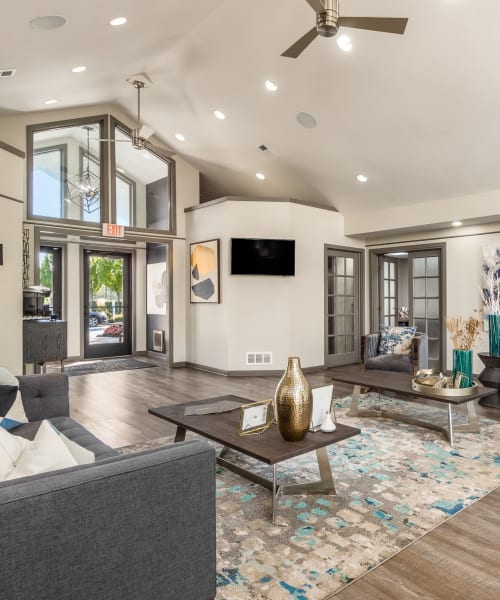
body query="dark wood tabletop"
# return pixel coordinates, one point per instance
(268, 447)
(396, 382)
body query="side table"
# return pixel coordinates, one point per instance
(490, 377)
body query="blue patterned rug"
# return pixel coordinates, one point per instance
(395, 482)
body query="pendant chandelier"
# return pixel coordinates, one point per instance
(84, 189)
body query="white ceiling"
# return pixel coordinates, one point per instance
(418, 113)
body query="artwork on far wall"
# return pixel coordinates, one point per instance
(156, 297)
(491, 261)
(204, 272)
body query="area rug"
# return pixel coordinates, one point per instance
(103, 366)
(395, 482)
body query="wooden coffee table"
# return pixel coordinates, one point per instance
(401, 383)
(268, 447)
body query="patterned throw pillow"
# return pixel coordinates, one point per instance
(15, 416)
(396, 340)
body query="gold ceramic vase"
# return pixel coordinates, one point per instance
(293, 402)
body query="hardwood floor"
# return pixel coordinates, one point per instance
(458, 560)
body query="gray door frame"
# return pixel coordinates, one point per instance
(373, 259)
(359, 255)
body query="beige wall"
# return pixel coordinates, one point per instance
(11, 237)
(283, 315)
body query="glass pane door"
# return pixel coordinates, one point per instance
(107, 304)
(425, 306)
(388, 288)
(342, 307)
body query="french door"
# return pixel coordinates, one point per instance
(343, 270)
(106, 304)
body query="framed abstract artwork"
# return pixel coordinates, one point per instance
(204, 272)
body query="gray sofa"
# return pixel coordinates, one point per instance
(137, 526)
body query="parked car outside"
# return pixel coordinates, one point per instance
(97, 318)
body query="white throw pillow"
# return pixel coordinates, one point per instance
(6, 378)
(47, 452)
(15, 416)
(79, 453)
(11, 448)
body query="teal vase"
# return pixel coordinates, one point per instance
(494, 334)
(462, 363)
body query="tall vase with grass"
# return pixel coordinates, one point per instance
(463, 334)
(490, 293)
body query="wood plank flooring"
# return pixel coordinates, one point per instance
(458, 560)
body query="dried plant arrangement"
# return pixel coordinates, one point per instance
(464, 332)
(490, 292)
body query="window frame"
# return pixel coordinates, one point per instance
(63, 150)
(31, 130)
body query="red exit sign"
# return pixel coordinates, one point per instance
(112, 230)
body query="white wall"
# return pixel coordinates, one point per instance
(284, 315)
(464, 250)
(11, 237)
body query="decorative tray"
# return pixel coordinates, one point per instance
(443, 391)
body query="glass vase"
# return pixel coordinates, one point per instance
(293, 402)
(462, 363)
(494, 334)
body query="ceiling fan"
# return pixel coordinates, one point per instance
(139, 136)
(328, 22)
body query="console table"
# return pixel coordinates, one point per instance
(490, 376)
(44, 341)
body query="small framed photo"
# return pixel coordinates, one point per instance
(322, 404)
(255, 417)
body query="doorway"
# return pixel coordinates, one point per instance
(408, 288)
(50, 276)
(106, 305)
(343, 293)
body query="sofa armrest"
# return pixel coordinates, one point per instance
(369, 346)
(138, 525)
(45, 396)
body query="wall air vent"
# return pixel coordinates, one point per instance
(7, 72)
(259, 358)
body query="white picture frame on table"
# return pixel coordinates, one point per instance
(322, 403)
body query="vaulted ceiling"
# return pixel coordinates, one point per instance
(417, 113)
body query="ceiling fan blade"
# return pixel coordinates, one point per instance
(387, 25)
(146, 131)
(301, 44)
(316, 5)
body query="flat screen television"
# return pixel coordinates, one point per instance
(262, 257)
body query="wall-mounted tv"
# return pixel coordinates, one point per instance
(262, 257)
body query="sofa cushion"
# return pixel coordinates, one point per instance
(73, 431)
(396, 340)
(390, 362)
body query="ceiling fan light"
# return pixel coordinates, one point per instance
(344, 43)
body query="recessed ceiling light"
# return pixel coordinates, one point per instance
(344, 43)
(362, 178)
(180, 137)
(271, 86)
(456, 223)
(118, 21)
(307, 120)
(260, 176)
(52, 101)
(79, 69)
(46, 23)
(219, 114)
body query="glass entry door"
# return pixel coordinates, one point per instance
(426, 303)
(106, 304)
(342, 306)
